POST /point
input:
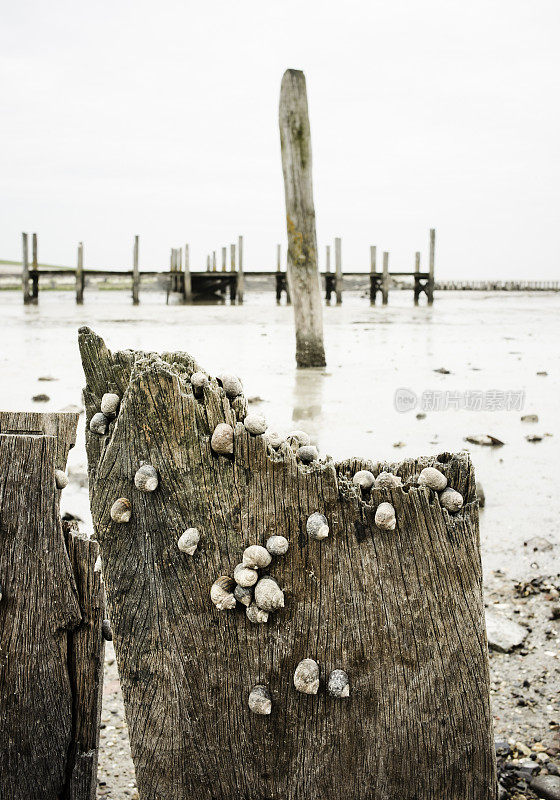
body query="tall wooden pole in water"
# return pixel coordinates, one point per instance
(25, 270)
(432, 260)
(80, 275)
(303, 273)
(135, 273)
(240, 277)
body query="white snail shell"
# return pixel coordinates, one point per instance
(451, 500)
(188, 541)
(338, 684)
(245, 576)
(274, 439)
(146, 478)
(306, 676)
(106, 630)
(199, 380)
(277, 545)
(298, 439)
(221, 593)
(255, 423)
(232, 385)
(256, 557)
(364, 478)
(307, 453)
(386, 480)
(222, 438)
(268, 595)
(256, 614)
(317, 526)
(110, 403)
(259, 700)
(60, 478)
(385, 517)
(121, 510)
(98, 424)
(243, 594)
(433, 479)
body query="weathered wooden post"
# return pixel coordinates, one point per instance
(303, 272)
(358, 670)
(80, 275)
(240, 277)
(417, 287)
(430, 286)
(372, 274)
(385, 280)
(213, 261)
(35, 272)
(224, 259)
(232, 266)
(279, 276)
(338, 266)
(187, 285)
(328, 259)
(27, 298)
(135, 272)
(208, 263)
(51, 614)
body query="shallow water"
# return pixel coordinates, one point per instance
(489, 341)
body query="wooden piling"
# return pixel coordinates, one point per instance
(27, 297)
(430, 284)
(401, 611)
(224, 259)
(213, 261)
(338, 266)
(208, 263)
(328, 259)
(373, 274)
(385, 280)
(80, 275)
(417, 287)
(35, 272)
(240, 277)
(51, 614)
(232, 266)
(135, 272)
(187, 284)
(303, 269)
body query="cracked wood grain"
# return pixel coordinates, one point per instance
(401, 612)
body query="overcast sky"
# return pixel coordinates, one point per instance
(161, 118)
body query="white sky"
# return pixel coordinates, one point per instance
(162, 119)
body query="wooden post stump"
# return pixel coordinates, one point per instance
(51, 613)
(303, 272)
(399, 612)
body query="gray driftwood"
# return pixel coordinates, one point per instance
(51, 651)
(303, 272)
(400, 612)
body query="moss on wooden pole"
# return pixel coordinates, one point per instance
(303, 272)
(383, 606)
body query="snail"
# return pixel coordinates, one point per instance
(244, 594)
(121, 510)
(317, 526)
(338, 684)
(274, 439)
(256, 557)
(306, 676)
(188, 541)
(298, 439)
(386, 480)
(259, 700)
(256, 614)
(146, 478)
(364, 479)
(199, 380)
(307, 453)
(232, 385)
(245, 576)
(222, 439)
(277, 545)
(221, 593)
(433, 479)
(268, 595)
(385, 517)
(255, 423)
(110, 403)
(451, 500)
(61, 479)
(98, 424)
(106, 630)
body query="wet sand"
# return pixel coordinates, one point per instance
(487, 341)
